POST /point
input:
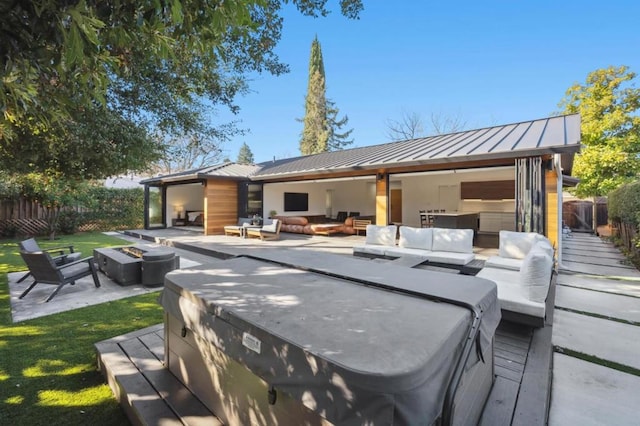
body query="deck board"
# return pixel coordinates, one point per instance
(502, 399)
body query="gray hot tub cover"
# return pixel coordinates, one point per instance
(353, 353)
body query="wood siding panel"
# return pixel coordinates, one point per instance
(488, 190)
(220, 205)
(551, 188)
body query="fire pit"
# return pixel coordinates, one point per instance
(136, 264)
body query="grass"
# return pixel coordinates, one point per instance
(48, 372)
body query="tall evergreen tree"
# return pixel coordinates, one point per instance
(321, 124)
(245, 156)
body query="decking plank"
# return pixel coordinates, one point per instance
(506, 373)
(500, 404)
(513, 352)
(155, 343)
(131, 389)
(167, 386)
(509, 364)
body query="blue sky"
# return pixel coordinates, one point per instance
(489, 63)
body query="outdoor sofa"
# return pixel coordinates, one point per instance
(270, 230)
(522, 271)
(452, 247)
(239, 228)
(309, 226)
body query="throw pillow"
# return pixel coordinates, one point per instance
(535, 274)
(381, 235)
(416, 238)
(516, 245)
(453, 240)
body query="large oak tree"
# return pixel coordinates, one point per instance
(144, 66)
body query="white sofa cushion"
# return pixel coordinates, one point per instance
(450, 257)
(381, 235)
(403, 251)
(453, 240)
(504, 263)
(374, 249)
(516, 245)
(511, 295)
(416, 238)
(535, 274)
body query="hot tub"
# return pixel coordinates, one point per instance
(263, 343)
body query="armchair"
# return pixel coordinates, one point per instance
(45, 271)
(58, 254)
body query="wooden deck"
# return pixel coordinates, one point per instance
(134, 367)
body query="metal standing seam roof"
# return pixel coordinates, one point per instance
(224, 170)
(551, 135)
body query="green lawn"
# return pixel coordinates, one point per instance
(48, 372)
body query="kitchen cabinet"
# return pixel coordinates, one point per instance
(497, 221)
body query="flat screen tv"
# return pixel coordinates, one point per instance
(296, 201)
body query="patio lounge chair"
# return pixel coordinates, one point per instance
(58, 254)
(267, 232)
(239, 228)
(45, 271)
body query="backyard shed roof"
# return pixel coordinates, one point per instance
(530, 138)
(225, 170)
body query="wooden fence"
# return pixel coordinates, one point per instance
(627, 234)
(27, 218)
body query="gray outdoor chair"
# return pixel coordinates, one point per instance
(45, 271)
(60, 255)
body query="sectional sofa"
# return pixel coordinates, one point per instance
(523, 271)
(451, 247)
(312, 225)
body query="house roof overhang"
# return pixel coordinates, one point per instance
(225, 171)
(491, 146)
(554, 135)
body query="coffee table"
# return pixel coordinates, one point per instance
(327, 228)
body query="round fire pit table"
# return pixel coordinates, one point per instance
(156, 264)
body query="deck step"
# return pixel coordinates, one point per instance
(146, 390)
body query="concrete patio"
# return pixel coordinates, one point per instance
(596, 336)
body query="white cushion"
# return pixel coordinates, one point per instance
(544, 245)
(416, 238)
(516, 245)
(381, 235)
(450, 257)
(374, 249)
(272, 227)
(454, 240)
(403, 251)
(504, 263)
(510, 294)
(535, 274)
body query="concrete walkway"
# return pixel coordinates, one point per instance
(596, 336)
